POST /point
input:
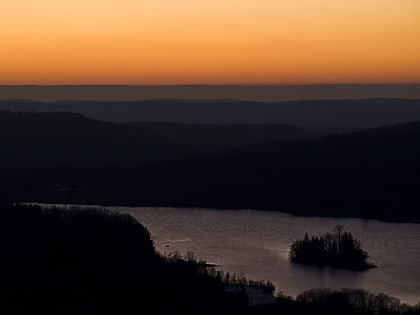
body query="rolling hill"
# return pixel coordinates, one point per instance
(62, 157)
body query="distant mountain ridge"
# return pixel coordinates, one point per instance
(261, 93)
(347, 114)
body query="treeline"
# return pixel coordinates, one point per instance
(218, 274)
(355, 301)
(344, 302)
(339, 250)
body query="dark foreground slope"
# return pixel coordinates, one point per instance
(94, 262)
(373, 173)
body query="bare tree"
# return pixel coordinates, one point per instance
(339, 231)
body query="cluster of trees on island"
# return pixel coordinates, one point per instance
(92, 261)
(339, 249)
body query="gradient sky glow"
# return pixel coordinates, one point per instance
(209, 41)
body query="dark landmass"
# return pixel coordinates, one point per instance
(70, 139)
(345, 114)
(338, 250)
(74, 261)
(66, 158)
(205, 138)
(58, 261)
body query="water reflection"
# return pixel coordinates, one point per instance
(256, 243)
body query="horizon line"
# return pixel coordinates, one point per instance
(212, 85)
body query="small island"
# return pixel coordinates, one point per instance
(338, 250)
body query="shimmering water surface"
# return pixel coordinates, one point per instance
(256, 244)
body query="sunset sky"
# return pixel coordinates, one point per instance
(209, 41)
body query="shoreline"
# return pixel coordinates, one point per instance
(192, 208)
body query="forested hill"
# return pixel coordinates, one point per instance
(69, 139)
(206, 137)
(64, 157)
(64, 139)
(360, 113)
(371, 173)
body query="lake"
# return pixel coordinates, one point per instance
(256, 244)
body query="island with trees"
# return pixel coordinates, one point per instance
(339, 250)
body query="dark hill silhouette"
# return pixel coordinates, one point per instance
(362, 113)
(67, 158)
(221, 137)
(371, 173)
(90, 261)
(68, 139)
(64, 139)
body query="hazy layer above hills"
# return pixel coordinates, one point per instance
(329, 114)
(271, 93)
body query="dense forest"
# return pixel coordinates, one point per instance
(339, 250)
(67, 158)
(73, 261)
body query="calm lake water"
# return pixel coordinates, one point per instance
(256, 244)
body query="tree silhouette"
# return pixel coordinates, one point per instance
(339, 250)
(339, 230)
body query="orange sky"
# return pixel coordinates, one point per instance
(209, 41)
